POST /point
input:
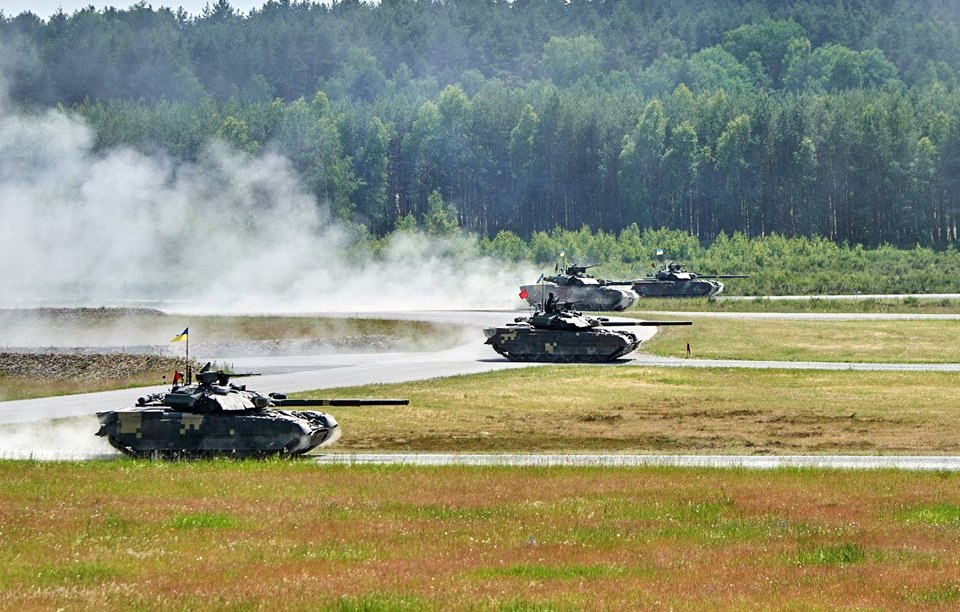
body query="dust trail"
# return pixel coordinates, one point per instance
(228, 233)
(60, 440)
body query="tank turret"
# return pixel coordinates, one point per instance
(560, 334)
(574, 285)
(215, 417)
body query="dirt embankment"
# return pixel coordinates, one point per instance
(63, 366)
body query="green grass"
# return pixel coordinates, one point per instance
(948, 593)
(836, 554)
(639, 409)
(790, 340)
(373, 537)
(936, 515)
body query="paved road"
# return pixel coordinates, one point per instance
(877, 296)
(100, 451)
(860, 462)
(812, 316)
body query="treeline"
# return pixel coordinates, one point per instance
(818, 118)
(777, 265)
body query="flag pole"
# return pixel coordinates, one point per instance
(187, 364)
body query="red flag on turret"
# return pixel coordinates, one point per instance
(523, 293)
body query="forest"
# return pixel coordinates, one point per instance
(822, 119)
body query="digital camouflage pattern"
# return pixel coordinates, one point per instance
(214, 417)
(564, 335)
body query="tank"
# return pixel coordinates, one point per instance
(561, 334)
(673, 281)
(574, 285)
(216, 418)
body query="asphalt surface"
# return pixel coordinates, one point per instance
(755, 462)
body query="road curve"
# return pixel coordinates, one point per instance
(306, 372)
(301, 373)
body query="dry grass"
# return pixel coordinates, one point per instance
(119, 327)
(634, 409)
(26, 387)
(293, 535)
(786, 340)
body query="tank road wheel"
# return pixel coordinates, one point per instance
(504, 353)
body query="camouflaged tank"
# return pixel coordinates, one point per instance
(214, 417)
(575, 286)
(564, 335)
(673, 281)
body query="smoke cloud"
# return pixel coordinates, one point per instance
(228, 233)
(60, 440)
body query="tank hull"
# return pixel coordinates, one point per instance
(168, 433)
(588, 297)
(525, 343)
(689, 288)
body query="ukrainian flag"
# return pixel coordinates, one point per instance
(539, 279)
(182, 335)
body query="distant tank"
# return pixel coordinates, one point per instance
(574, 285)
(560, 334)
(673, 281)
(214, 418)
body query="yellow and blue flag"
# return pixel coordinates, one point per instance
(659, 252)
(563, 253)
(539, 279)
(182, 335)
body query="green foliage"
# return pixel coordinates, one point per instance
(797, 119)
(567, 60)
(839, 554)
(440, 219)
(506, 246)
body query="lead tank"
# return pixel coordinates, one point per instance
(214, 417)
(574, 285)
(565, 335)
(673, 281)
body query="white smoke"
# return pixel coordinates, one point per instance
(229, 233)
(60, 440)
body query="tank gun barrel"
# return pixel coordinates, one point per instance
(289, 403)
(724, 275)
(607, 323)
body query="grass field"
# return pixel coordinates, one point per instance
(905, 341)
(291, 535)
(638, 409)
